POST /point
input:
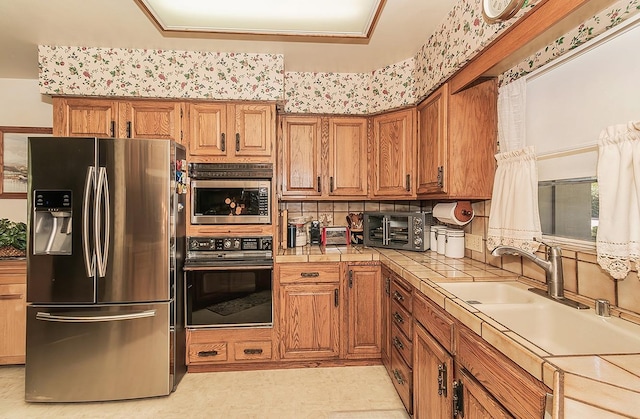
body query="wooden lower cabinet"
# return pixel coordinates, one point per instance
(432, 377)
(363, 314)
(452, 371)
(13, 293)
(478, 403)
(216, 346)
(309, 311)
(385, 349)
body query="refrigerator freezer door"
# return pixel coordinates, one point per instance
(60, 169)
(135, 252)
(97, 353)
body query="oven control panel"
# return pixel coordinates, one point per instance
(195, 244)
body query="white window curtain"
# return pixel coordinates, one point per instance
(514, 219)
(618, 237)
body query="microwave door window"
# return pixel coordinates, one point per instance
(227, 201)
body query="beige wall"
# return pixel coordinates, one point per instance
(22, 105)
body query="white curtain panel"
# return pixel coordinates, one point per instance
(618, 237)
(514, 219)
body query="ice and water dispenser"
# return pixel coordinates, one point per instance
(52, 218)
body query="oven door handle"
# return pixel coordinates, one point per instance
(226, 267)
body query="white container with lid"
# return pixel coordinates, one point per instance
(433, 238)
(454, 247)
(442, 240)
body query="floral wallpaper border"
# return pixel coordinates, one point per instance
(91, 71)
(228, 76)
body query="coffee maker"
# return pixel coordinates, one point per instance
(314, 232)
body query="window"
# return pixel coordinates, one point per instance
(569, 208)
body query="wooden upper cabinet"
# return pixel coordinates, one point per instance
(432, 142)
(323, 157)
(207, 129)
(80, 117)
(243, 132)
(301, 155)
(457, 137)
(393, 155)
(347, 156)
(150, 120)
(77, 117)
(253, 129)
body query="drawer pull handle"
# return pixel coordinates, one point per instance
(397, 343)
(397, 296)
(310, 274)
(397, 317)
(256, 351)
(398, 376)
(208, 353)
(10, 296)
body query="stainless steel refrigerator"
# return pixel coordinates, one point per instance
(106, 244)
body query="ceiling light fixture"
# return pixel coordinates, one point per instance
(308, 18)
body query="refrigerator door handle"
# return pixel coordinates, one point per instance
(93, 319)
(89, 257)
(102, 209)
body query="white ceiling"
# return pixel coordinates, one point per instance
(403, 27)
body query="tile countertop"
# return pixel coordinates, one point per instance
(588, 386)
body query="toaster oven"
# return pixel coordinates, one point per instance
(398, 230)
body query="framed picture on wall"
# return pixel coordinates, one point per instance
(13, 159)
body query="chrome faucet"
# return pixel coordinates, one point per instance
(552, 266)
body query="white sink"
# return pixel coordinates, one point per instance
(562, 330)
(550, 325)
(491, 292)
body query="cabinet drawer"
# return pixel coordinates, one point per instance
(248, 351)
(401, 318)
(435, 320)
(309, 272)
(402, 378)
(207, 352)
(402, 295)
(402, 344)
(513, 387)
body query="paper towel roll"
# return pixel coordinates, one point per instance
(457, 213)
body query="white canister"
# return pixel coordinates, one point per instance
(433, 238)
(454, 244)
(442, 240)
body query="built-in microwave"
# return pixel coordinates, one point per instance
(230, 193)
(398, 230)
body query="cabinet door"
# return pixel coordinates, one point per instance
(252, 130)
(364, 312)
(393, 154)
(301, 142)
(432, 142)
(477, 402)
(150, 120)
(74, 117)
(309, 321)
(432, 377)
(207, 129)
(348, 156)
(12, 323)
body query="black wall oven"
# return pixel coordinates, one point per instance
(229, 282)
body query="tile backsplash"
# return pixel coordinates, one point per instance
(334, 213)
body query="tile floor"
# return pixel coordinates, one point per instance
(331, 393)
